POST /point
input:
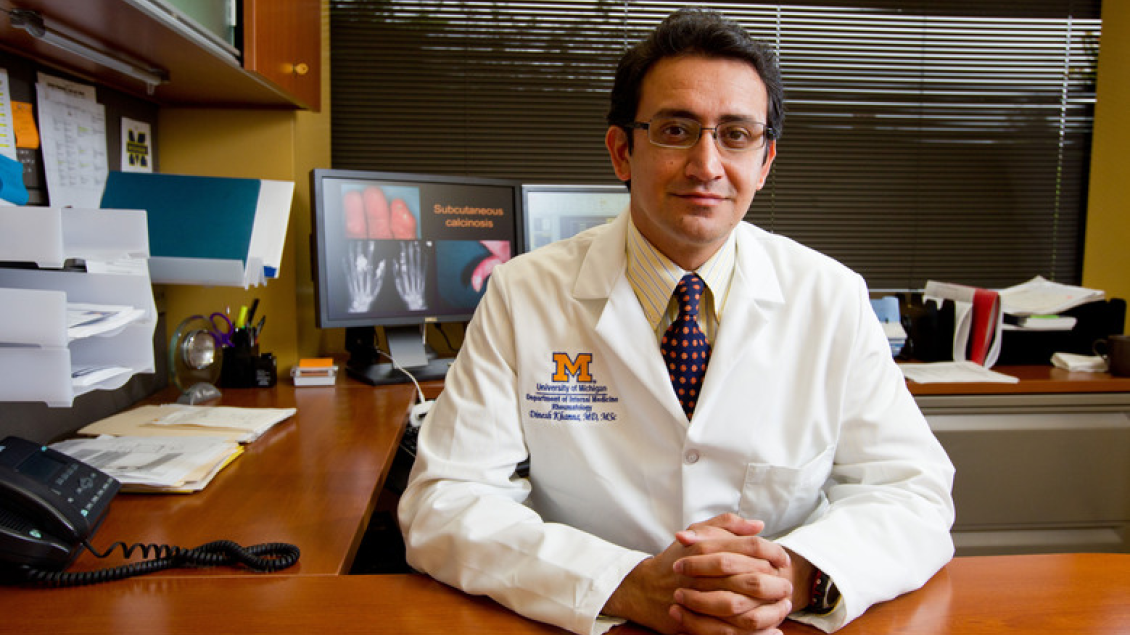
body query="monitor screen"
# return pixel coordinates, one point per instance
(402, 250)
(553, 212)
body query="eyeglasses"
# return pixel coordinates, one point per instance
(678, 132)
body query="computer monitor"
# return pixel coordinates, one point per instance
(553, 212)
(403, 250)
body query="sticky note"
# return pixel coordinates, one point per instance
(24, 125)
(12, 181)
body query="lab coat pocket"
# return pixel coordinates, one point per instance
(783, 497)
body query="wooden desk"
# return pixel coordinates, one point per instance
(1081, 594)
(312, 481)
(1033, 380)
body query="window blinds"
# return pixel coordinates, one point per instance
(923, 140)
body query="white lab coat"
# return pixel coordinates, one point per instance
(804, 421)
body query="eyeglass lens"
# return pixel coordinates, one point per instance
(676, 132)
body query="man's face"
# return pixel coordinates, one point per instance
(687, 200)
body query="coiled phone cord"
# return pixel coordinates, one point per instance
(266, 557)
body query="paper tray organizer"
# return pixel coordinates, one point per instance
(36, 355)
(208, 230)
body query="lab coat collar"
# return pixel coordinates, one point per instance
(755, 275)
(604, 262)
(755, 291)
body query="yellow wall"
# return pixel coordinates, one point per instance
(1106, 256)
(258, 144)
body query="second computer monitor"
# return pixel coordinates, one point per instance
(553, 212)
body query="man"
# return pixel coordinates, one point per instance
(796, 479)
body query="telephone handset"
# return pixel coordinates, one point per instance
(49, 504)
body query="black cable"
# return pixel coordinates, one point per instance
(439, 328)
(266, 557)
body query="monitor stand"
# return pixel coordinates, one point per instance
(406, 345)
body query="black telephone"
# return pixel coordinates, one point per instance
(50, 506)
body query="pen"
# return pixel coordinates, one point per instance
(259, 328)
(251, 313)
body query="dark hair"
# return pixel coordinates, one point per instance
(694, 31)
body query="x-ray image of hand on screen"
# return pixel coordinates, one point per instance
(401, 250)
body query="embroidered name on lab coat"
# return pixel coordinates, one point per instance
(572, 393)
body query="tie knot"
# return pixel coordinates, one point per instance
(689, 293)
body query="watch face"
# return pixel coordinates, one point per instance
(825, 595)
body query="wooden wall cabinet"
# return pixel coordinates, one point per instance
(281, 37)
(283, 43)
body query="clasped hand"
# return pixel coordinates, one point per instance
(718, 576)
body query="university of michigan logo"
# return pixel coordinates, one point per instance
(576, 367)
(572, 395)
(137, 148)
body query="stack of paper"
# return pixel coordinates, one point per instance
(155, 464)
(954, 372)
(240, 425)
(1039, 296)
(88, 320)
(1035, 305)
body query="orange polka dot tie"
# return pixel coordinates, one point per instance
(684, 346)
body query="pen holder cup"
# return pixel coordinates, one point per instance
(244, 367)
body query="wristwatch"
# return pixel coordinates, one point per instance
(825, 595)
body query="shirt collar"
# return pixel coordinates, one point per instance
(654, 276)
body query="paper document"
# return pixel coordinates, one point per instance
(7, 124)
(242, 425)
(105, 377)
(137, 146)
(954, 372)
(72, 129)
(1040, 296)
(88, 320)
(155, 464)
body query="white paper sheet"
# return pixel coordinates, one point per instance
(72, 130)
(954, 372)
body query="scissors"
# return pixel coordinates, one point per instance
(222, 328)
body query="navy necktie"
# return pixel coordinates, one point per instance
(684, 346)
